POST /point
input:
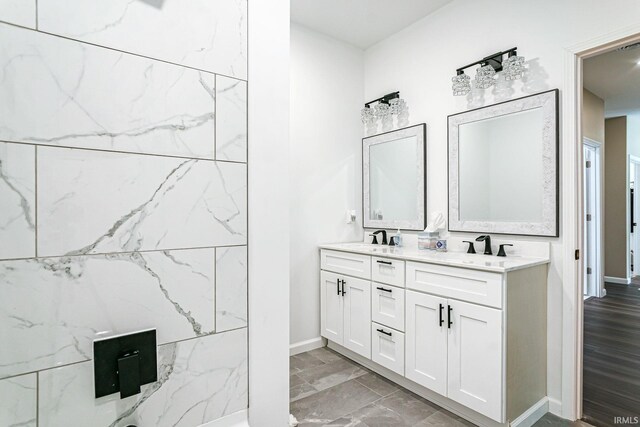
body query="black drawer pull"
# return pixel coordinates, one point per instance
(441, 318)
(449, 317)
(384, 332)
(384, 262)
(338, 286)
(344, 282)
(383, 289)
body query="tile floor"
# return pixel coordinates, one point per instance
(327, 389)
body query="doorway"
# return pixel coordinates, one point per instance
(610, 169)
(634, 214)
(592, 166)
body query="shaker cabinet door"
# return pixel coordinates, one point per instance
(426, 341)
(331, 306)
(357, 315)
(475, 358)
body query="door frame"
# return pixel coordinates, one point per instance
(635, 245)
(572, 222)
(598, 169)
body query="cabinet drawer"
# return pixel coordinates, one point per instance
(389, 271)
(480, 287)
(387, 305)
(346, 263)
(387, 348)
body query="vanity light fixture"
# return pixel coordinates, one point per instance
(485, 76)
(461, 84)
(389, 105)
(513, 68)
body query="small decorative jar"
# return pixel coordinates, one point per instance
(441, 245)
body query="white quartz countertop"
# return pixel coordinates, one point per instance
(453, 259)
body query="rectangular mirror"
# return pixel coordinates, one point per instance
(503, 174)
(394, 179)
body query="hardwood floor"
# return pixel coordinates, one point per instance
(612, 356)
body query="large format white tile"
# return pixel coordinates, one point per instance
(61, 92)
(199, 381)
(209, 35)
(18, 405)
(19, 12)
(231, 288)
(231, 119)
(52, 309)
(100, 202)
(17, 201)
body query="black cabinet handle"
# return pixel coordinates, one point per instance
(383, 289)
(384, 262)
(441, 309)
(344, 282)
(384, 332)
(449, 316)
(338, 286)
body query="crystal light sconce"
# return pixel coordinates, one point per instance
(512, 69)
(384, 109)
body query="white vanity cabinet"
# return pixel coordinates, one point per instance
(467, 332)
(346, 311)
(455, 349)
(426, 343)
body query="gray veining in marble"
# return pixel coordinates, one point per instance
(231, 119)
(380, 385)
(231, 288)
(300, 391)
(327, 405)
(18, 401)
(17, 201)
(444, 418)
(202, 34)
(19, 12)
(53, 308)
(325, 354)
(199, 380)
(101, 202)
(330, 374)
(303, 361)
(60, 92)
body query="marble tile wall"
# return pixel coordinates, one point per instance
(123, 206)
(19, 12)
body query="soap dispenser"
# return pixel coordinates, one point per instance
(398, 238)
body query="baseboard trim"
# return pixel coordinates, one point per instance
(618, 280)
(237, 419)
(533, 414)
(555, 407)
(308, 345)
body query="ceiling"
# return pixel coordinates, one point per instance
(615, 77)
(361, 23)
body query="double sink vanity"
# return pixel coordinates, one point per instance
(467, 331)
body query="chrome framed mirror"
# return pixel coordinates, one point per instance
(394, 179)
(503, 167)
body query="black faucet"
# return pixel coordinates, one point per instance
(487, 243)
(384, 236)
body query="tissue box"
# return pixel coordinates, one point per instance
(428, 240)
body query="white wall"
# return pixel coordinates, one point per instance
(326, 98)
(420, 61)
(269, 213)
